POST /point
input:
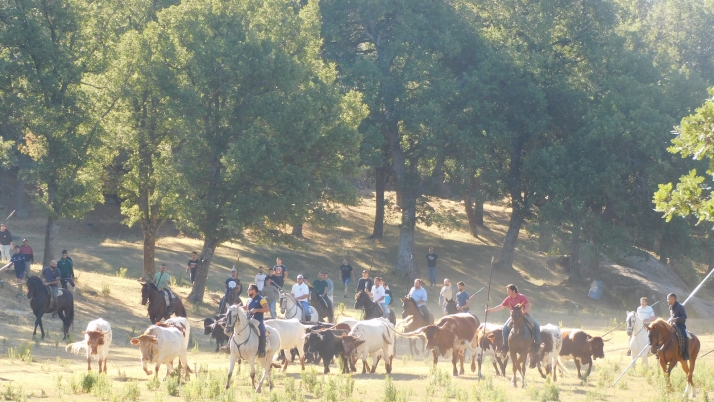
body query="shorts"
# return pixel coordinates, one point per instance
(346, 281)
(20, 273)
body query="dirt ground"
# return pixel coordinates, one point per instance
(101, 246)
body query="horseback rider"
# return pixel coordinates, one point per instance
(300, 293)
(320, 287)
(645, 314)
(379, 296)
(418, 294)
(161, 280)
(514, 299)
(256, 307)
(678, 318)
(51, 279)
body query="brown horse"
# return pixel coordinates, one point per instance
(413, 320)
(664, 343)
(157, 305)
(520, 343)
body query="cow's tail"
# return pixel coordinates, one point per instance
(77, 346)
(386, 338)
(560, 365)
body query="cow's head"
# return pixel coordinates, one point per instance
(146, 343)
(597, 344)
(350, 343)
(441, 337)
(96, 339)
(208, 325)
(314, 339)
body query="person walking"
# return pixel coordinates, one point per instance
(418, 293)
(26, 250)
(51, 279)
(192, 265)
(18, 262)
(513, 299)
(678, 318)
(6, 245)
(431, 266)
(447, 293)
(270, 293)
(346, 274)
(66, 268)
(300, 293)
(260, 278)
(365, 282)
(280, 272)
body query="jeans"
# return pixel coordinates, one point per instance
(5, 252)
(54, 290)
(432, 275)
(385, 309)
(306, 307)
(271, 306)
(261, 327)
(507, 330)
(64, 282)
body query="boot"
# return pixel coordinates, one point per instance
(261, 346)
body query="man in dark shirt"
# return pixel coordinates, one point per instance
(365, 282)
(18, 263)
(26, 250)
(319, 286)
(51, 278)
(280, 273)
(66, 268)
(346, 274)
(256, 307)
(5, 243)
(431, 265)
(678, 318)
(192, 265)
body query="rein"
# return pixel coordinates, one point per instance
(238, 345)
(289, 311)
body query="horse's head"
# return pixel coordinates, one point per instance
(451, 306)
(359, 299)
(656, 333)
(282, 302)
(145, 292)
(630, 320)
(233, 316)
(33, 283)
(517, 313)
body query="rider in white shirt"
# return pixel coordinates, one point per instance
(646, 314)
(301, 292)
(378, 295)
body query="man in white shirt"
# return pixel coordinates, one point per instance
(301, 292)
(260, 279)
(646, 314)
(378, 295)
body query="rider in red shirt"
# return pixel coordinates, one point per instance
(513, 299)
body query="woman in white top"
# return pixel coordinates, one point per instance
(447, 293)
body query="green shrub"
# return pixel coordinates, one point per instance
(106, 290)
(121, 273)
(172, 385)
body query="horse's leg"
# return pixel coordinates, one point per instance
(231, 365)
(523, 370)
(42, 328)
(514, 360)
(503, 365)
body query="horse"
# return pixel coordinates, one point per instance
(417, 321)
(639, 339)
(451, 307)
(229, 299)
(40, 303)
(323, 310)
(371, 309)
(520, 343)
(157, 305)
(244, 345)
(292, 309)
(664, 343)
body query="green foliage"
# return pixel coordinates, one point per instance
(106, 289)
(121, 273)
(173, 383)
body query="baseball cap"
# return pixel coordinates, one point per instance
(365, 271)
(300, 277)
(234, 269)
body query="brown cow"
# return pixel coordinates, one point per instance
(457, 332)
(582, 348)
(490, 340)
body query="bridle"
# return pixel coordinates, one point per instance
(283, 307)
(366, 305)
(664, 343)
(229, 319)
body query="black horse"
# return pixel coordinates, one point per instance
(40, 299)
(371, 309)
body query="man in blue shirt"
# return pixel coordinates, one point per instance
(18, 262)
(256, 307)
(678, 318)
(462, 298)
(418, 293)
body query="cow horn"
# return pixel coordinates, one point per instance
(607, 340)
(414, 334)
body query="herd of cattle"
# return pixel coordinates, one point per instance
(352, 340)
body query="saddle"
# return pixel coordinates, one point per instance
(167, 293)
(528, 321)
(49, 293)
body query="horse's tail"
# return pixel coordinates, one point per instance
(77, 346)
(179, 309)
(69, 312)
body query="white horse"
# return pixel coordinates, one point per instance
(638, 337)
(292, 309)
(244, 345)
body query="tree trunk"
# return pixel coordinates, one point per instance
(297, 230)
(574, 271)
(149, 253)
(406, 238)
(470, 214)
(21, 200)
(199, 284)
(509, 243)
(478, 209)
(381, 176)
(50, 232)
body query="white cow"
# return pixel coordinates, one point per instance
(292, 334)
(551, 344)
(375, 338)
(162, 343)
(97, 339)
